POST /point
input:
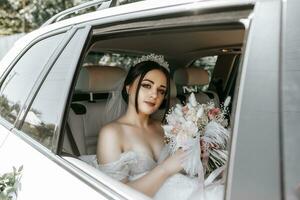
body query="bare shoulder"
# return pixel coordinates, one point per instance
(109, 145)
(110, 130)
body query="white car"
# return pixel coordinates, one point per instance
(51, 104)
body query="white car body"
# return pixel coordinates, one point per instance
(263, 117)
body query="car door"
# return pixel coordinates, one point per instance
(255, 160)
(146, 24)
(37, 119)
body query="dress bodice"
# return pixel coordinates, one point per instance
(131, 165)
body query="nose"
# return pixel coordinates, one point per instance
(154, 93)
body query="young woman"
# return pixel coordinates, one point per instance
(138, 137)
(130, 148)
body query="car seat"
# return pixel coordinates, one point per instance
(86, 116)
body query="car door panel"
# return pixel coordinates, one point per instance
(42, 178)
(254, 171)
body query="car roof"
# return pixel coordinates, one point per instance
(146, 5)
(142, 8)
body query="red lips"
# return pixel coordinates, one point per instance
(150, 103)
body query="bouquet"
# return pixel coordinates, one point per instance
(10, 184)
(194, 122)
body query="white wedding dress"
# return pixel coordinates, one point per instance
(133, 165)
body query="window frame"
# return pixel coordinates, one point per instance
(38, 84)
(118, 30)
(26, 48)
(42, 76)
(247, 127)
(7, 71)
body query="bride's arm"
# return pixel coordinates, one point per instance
(152, 181)
(110, 147)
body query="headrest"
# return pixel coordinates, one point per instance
(191, 76)
(173, 91)
(94, 78)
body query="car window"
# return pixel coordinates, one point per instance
(88, 115)
(21, 78)
(224, 75)
(44, 115)
(207, 63)
(110, 59)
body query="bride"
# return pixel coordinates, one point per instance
(131, 148)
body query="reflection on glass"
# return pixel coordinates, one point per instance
(9, 110)
(21, 79)
(43, 118)
(37, 128)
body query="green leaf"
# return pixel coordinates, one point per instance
(10, 183)
(20, 168)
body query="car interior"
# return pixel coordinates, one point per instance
(216, 48)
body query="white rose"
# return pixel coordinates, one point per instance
(192, 99)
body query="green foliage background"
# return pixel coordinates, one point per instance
(18, 16)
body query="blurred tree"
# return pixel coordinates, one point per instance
(26, 15)
(122, 2)
(38, 11)
(10, 19)
(18, 16)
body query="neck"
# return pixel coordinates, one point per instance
(136, 119)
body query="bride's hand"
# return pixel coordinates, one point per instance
(204, 150)
(204, 147)
(173, 163)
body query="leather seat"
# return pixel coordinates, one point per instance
(193, 76)
(86, 117)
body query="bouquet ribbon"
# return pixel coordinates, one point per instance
(200, 193)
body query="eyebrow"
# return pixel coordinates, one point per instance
(153, 82)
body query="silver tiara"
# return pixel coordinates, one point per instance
(155, 58)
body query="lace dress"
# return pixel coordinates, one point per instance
(133, 165)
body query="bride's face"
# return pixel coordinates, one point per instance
(152, 91)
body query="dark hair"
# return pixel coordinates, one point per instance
(141, 69)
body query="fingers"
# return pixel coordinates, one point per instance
(204, 155)
(187, 152)
(183, 152)
(206, 145)
(182, 155)
(185, 155)
(202, 142)
(183, 159)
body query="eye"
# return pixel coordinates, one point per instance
(146, 85)
(162, 92)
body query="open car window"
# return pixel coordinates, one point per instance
(201, 47)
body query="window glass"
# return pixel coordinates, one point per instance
(110, 59)
(47, 108)
(22, 77)
(207, 63)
